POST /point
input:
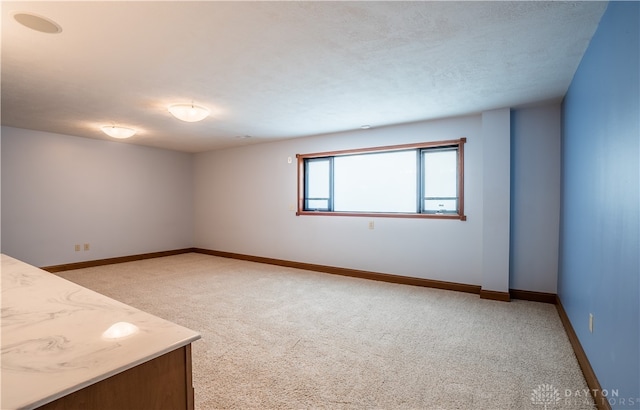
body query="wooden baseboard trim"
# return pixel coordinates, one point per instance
(533, 296)
(405, 280)
(495, 295)
(355, 273)
(589, 375)
(109, 261)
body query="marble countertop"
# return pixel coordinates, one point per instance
(58, 337)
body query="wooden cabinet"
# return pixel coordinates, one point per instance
(161, 383)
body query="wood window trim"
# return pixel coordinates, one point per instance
(388, 148)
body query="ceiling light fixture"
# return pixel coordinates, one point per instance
(189, 112)
(38, 23)
(118, 132)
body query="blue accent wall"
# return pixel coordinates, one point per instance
(599, 262)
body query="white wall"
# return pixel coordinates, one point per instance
(122, 199)
(535, 192)
(243, 196)
(496, 163)
(58, 191)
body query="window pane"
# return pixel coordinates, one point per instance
(440, 180)
(422, 180)
(384, 182)
(322, 204)
(318, 184)
(440, 205)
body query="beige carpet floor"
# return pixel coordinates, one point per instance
(282, 338)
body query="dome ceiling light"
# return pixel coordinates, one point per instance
(189, 112)
(118, 132)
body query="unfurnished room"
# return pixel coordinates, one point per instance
(320, 205)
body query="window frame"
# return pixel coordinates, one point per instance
(457, 144)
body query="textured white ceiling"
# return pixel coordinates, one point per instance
(282, 69)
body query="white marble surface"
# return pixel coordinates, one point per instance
(52, 336)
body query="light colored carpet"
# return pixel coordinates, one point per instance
(282, 338)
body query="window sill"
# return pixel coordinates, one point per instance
(384, 215)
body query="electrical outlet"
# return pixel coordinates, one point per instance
(77, 248)
(371, 225)
(86, 247)
(591, 322)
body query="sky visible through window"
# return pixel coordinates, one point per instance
(383, 182)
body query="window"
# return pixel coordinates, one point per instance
(410, 181)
